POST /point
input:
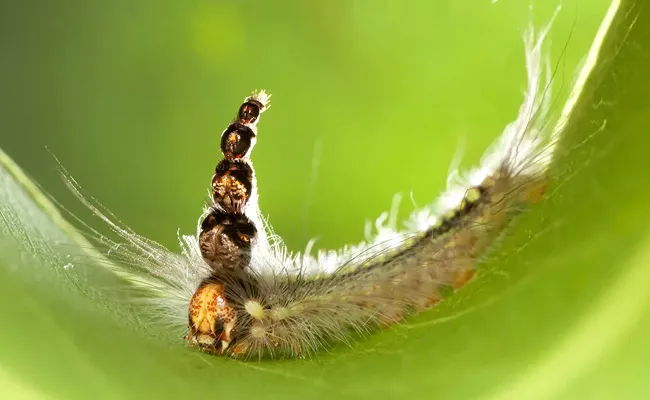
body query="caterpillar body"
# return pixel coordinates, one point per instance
(236, 290)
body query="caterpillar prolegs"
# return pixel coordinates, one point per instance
(257, 300)
(236, 290)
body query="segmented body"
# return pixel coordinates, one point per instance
(248, 296)
(238, 310)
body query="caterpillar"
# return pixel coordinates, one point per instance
(236, 290)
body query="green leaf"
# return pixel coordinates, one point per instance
(560, 312)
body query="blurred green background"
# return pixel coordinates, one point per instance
(370, 98)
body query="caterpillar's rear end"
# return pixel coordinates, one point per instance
(257, 300)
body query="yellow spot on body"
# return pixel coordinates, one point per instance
(472, 195)
(255, 309)
(449, 215)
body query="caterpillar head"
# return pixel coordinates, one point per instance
(211, 318)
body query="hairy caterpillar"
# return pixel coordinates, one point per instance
(248, 296)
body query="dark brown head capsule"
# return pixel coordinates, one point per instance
(232, 184)
(225, 240)
(237, 141)
(249, 112)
